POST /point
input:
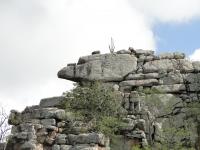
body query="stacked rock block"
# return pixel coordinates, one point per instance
(132, 72)
(42, 128)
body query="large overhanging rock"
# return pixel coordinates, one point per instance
(106, 67)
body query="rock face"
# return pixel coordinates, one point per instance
(106, 67)
(134, 73)
(38, 128)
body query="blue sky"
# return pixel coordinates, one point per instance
(184, 37)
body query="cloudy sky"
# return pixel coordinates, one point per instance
(38, 37)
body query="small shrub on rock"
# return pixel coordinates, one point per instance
(97, 105)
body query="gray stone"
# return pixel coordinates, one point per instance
(137, 134)
(52, 101)
(133, 76)
(164, 97)
(149, 58)
(65, 147)
(158, 131)
(172, 78)
(170, 88)
(195, 87)
(144, 142)
(2, 146)
(141, 124)
(48, 122)
(96, 52)
(27, 127)
(159, 65)
(56, 147)
(49, 141)
(14, 129)
(151, 76)
(22, 135)
(125, 88)
(196, 65)
(192, 78)
(61, 139)
(125, 102)
(31, 136)
(175, 55)
(51, 128)
(139, 76)
(106, 67)
(42, 132)
(124, 51)
(61, 124)
(131, 117)
(85, 147)
(166, 56)
(143, 58)
(185, 66)
(116, 87)
(14, 117)
(87, 139)
(148, 82)
(143, 52)
(67, 72)
(142, 78)
(34, 121)
(178, 55)
(29, 146)
(46, 113)
(71, 64)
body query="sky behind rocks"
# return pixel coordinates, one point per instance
(37, 38)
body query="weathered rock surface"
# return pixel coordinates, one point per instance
(148, 82)
(51, 102)
(160, 65)
(107, 67)
(138, 76)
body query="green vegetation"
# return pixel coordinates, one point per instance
(179, 121)
(97, 105)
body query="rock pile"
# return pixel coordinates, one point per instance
(132, 73)
(43, 127)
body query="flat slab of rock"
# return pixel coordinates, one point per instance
(43, 113)
(175, 55)
(139, 76)
(105, 67)
(160, 65)
(172, 78)
(52, 101)
(147, 82)
(170, 88)
(143, 52)
(90, 138)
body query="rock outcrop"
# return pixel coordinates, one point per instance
(135, 74)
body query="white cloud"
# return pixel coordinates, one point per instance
(175, 11)
(39, 37)
(195, 56)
